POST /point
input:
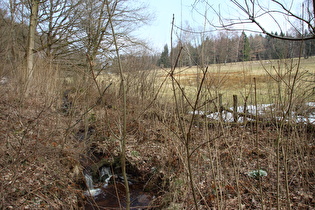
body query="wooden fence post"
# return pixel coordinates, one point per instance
(220, 106)
(235, 115)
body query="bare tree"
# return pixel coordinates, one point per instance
(57, 24)
(31, 42)
(257, 12)
(96, 39)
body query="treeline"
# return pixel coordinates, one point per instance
(71, 36)
(227, 47)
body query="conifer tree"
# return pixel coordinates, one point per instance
(244, 54)
(164, 60)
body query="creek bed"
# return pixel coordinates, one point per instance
(107, 191)
(113, 197)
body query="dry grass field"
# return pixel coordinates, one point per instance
(238, 78)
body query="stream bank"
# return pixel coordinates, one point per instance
(104, 188)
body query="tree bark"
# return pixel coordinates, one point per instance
(31, 43)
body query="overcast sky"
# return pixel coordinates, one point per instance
(158, 32)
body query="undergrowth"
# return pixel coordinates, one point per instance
(46, 147)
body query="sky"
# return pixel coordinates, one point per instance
(157, 33)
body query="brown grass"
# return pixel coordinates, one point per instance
(42, 159)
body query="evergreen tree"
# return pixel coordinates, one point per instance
(244, 54)
(246, 48)
(164, 60)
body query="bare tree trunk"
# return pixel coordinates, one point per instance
(31, 44)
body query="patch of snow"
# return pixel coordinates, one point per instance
(302, 119)
(312, 104)
(197, 112)
(261, 110)
(251, 109)
(4, 80)
(226, 116)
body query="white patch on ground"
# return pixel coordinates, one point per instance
(261, 110)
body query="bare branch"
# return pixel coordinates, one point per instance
(254, 11)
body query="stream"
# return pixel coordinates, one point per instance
(108, 192)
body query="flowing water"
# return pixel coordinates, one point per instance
(105, 175)
(109, 193)
(91, 191)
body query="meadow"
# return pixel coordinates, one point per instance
(238, 78)
(268, 82)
